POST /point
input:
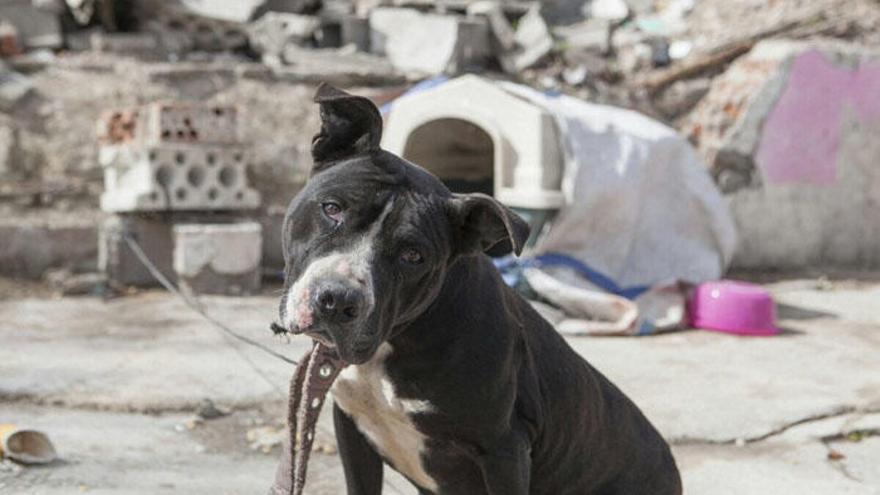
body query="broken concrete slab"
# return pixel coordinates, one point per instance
(682, 96)
(429, 43)
(120, 265)
(14, 87)
(10, 151)
(355, 30)
(292, 6)
(272, 32)
(36, 28)
(593, 35)
(240, 11)
(218, 258)
(533, 42)
(561, 12)
(211, 26)
(30, 246)
(340, 67)
(611, 10)
(145, 45)
(502, 30)
(789, 132)
(32, 61)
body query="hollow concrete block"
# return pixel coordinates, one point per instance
(175, 177)
(119, 263)
(429, 43)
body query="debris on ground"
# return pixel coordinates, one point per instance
(266, 438)
(788, 150)
(26, 445)
(64, 282)
(208, 410)
(64, 63)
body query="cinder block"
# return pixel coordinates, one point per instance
(272, 221)
(355, 30)
(170, 156)
(120, 264)
(175, 177)
(170, 122)
(275, 30)
(207, 30)
(36, 28)
(218, 258)
(429, 43)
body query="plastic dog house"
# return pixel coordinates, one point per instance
(477, 137)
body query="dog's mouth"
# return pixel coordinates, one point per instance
(321, 336)
(351, 352)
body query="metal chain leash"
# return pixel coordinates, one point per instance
(226, 332)
(193, 303)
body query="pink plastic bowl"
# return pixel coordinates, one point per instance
(733, 307)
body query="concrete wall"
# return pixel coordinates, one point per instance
(798, 154)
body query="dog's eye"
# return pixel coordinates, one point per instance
(411, 256)
(332, 210)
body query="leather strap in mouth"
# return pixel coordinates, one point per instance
(312, 380)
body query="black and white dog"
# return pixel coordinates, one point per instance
(453, 379)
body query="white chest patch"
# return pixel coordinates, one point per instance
(366, 394)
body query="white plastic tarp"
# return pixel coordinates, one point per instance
(640, 209)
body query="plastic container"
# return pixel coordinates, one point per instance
(733, 307)
(25, 445)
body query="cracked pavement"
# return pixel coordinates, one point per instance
(115, 385)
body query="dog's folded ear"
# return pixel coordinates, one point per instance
(481, 224)
(350, 125)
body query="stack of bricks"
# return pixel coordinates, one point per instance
(168, 165)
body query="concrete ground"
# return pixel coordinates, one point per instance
(116, 384)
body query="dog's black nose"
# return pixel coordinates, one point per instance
(338, 303)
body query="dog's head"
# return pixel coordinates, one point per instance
(368, 241)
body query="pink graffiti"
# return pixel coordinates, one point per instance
(801, 136)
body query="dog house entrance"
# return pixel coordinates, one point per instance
(460, 153)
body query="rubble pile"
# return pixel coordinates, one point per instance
(64, 62)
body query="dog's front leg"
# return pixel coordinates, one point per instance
(362, 465)
(507, 466)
